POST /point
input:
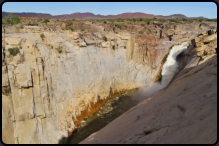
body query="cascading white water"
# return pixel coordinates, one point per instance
(115, 106)
(170, 67)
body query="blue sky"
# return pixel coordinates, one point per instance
(189, 9)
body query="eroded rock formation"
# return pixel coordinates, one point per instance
(57, 80)
(185, 112)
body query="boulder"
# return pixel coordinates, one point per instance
(75, 35)
(104, 44)
(210, 38)
(82, 44)
(169, 32)
(204, 26)
(90, 42)
(198, 41)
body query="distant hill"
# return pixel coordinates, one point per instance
(93, 16)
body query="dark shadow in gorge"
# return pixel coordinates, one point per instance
(124, 103)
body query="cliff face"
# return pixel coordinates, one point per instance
(185, 112)
(57, 80)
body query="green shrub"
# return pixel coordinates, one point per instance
(124, 47)
(141, 32)
(60, 51)
(71, 28)
(20, 47)
(14, 51)
(184, 20)
(82, 29)
(211, 20)
(105, 39)
(190, 20)
(45, 20)
(6, 91)
(118, 26)
(173, 20)
(114, 47)
(77, 41)
(11, 19)
(27, 46)
(149, 29)
(42, 36)
(51, 47)
(105, 22)
(22, 26)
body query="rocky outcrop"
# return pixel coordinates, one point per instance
(54, 82)
(185, 112)
(57, 80)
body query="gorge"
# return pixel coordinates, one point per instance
(59, 78)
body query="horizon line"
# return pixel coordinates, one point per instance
(106, 15)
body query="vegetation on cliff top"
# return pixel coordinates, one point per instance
(14, 51)
(46, 20)
(11, 20)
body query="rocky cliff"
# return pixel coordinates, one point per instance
(185, 112)
(52, 78)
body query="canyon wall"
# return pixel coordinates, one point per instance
(184, 112)
(57, 80)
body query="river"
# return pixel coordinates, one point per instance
(118, 105)
(113, 108)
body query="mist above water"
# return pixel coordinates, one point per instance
(169, 69)
(122, 103)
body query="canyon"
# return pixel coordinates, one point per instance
(59, 77)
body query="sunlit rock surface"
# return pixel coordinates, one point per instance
(58, 80)
(185, 112)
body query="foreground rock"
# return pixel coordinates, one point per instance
(184, 112)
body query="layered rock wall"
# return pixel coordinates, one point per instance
(184, 112)
(56, 81)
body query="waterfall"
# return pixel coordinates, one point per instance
(171, 67)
